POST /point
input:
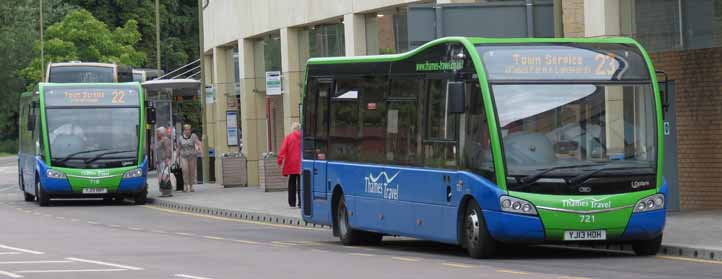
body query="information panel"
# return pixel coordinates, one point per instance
(91, 96)
(564, 62)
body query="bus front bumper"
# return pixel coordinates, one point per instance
(516, 228)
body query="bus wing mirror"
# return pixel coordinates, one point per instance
(455, 97)
(150, 115)
(664, 94)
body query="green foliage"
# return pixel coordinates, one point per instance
(178, 22)
(80, 36)
(8, 147)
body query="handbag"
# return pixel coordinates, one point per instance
(177, 171)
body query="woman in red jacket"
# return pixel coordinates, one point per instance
(290, 158)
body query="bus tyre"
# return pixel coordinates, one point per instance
(648, 247)
(41, 196)
(475, 237)
(141, 198)
(347, 235)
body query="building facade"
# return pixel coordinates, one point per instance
(251, 45)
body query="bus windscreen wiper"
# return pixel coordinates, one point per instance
(70, 156)
(579, 179)
(106, 153)
(529, 179)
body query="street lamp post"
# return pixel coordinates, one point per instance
(157, 34)
(42, 43)
(204, 124)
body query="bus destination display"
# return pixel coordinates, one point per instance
(561, 62)
(91, 96)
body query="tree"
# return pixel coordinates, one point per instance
(80, 36)
(178, 21)
(18, 31)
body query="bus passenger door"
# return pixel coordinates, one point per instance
(315, 200)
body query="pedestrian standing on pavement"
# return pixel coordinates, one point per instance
(290, 158)
(188, 149)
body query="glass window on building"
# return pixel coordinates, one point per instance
(387, 32)
(321, 41)
(664, 25)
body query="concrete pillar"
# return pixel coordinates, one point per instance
(292, 77)
(223, 82)
(253, 111)
(354, 26)
(602, 18)
(210, 106)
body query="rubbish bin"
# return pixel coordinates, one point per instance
(234, 170)
(211, 167)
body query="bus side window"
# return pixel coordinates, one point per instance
(476, 144)
(344, 121)
(440, 128)
(402, 129)
(322, 121)
(309, 120)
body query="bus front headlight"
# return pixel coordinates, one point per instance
(514, 205)
(650, 203)
(53, 174)
(133, 173)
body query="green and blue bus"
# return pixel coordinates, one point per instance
(83, 140)
(482, 142)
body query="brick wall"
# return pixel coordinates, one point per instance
(698, 76)
(573, 18)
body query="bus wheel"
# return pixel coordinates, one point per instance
(647, 247)
(141, 198)
(41, 196)
(476, 238)
(347, 235)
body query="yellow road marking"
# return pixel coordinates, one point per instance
(284, 243)
(185, 234)
(74, 220)
(458, 265)
(318, 250)
(231, 219)
(405, 259)
(361, 254)
(135, 229)
(93, 223)
(572, 277)
(213, 237)
(512, 271)
(689, 259)
(158, 231)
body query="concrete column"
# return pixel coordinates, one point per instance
(253, 111)
(292, 77)
(223, 83)
(602, 18)
(210, 106)
(354, 26)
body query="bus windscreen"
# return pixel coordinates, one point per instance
(91, 96)
(593, 62)
(84, 74)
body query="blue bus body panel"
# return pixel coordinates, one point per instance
(49, 184)
(136, 184)
(648, 225)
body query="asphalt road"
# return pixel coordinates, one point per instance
(92, 239)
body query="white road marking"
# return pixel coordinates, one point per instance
(21, 250)
(71, 270)
(10, 274)
(190, 276)
(104, 263)
(34, 262)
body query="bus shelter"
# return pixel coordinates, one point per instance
(176, 101)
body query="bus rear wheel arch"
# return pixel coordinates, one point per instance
(342, 228)
(474, 234)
